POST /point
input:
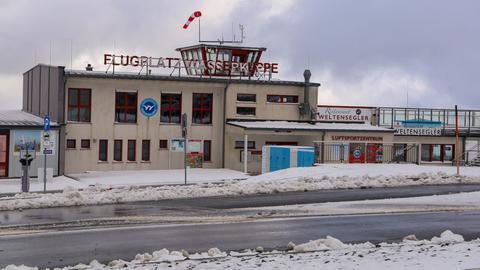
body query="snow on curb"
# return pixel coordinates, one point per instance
(107, 195)
(328, 243)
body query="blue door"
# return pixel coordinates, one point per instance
(279, 158)
(305, 158)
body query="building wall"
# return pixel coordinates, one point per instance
(264, 109)
(43, 92)
(103, 125)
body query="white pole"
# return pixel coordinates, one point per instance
(245, 154)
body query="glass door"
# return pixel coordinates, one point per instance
(3, 155)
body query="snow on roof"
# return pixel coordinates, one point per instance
(307, 126)
(20, 118)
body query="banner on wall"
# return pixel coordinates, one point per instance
(344, 114)
(177, 145)
(27, 140)
(194, 146)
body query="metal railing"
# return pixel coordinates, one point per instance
(366, 152)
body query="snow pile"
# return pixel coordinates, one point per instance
(447, 237)
(290, 180)
(320, 244)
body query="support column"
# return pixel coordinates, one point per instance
(419, 153)
(245, 153)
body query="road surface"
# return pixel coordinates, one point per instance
(197, 205)
(106, 244)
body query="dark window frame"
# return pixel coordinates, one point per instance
(134, 150)
(170, 108)
(100, 150)
(124, 108)
(250, 108)
(78, 106)
(202, 109)
(237, 146)
(282, 99)
(68, 146)
(282, 143)
(207, 157)
(115, 157)
(144, 142)
(82, 146)
(246, 95)
(160, 144)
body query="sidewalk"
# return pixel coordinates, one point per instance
(125, 178)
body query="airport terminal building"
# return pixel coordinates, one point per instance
(132, 121)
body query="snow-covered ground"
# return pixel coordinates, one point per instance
(448, 251)
(365, 170)
(125, 179)
(295, 179)
(58, 183)
(467, 201)
(157, 177)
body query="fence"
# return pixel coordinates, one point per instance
(366, 152)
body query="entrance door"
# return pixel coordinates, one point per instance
(3, 155)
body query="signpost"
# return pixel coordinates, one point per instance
(46, 143)
(184, 135)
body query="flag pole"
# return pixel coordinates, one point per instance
(456, 141)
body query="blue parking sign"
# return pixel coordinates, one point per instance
(46, 123)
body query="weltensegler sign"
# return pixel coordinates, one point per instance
(230, 67)
(343, 114)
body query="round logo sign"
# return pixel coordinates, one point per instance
(149, 107)
(357, 153)
(358, 111)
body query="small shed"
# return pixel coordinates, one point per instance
(19, 129)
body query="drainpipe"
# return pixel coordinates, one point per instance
(306, 92)
(322, 154)
(227, 84)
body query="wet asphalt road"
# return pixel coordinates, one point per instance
(197, 205)
(67, 248)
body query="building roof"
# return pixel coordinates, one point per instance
(136, 76)
(20, 118)
(305, 126)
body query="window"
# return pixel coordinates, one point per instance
(71, 144)
(131, 148)
(437, 152)
(202, 108)
(103, 150)
(385, 116)
(85, 144)
(248, 111)
(79, 105)
(126, 107)
(240, 144)
(207, 150)
(163, 144)
(171, 108)
(146, 150)
(282, 143)
(247, 97)
(117, 150)
(282, 99)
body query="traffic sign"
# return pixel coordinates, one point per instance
(46, 123)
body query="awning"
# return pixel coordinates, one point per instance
(307, 126)
(21, 119)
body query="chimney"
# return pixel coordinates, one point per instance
(89, 67)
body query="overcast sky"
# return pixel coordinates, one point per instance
(370, 52)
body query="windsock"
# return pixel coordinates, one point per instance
(196, 14)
